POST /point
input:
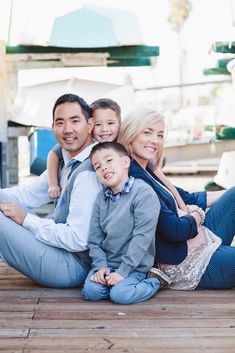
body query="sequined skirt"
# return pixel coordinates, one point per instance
(187, 275)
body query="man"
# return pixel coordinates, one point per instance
(53, 251)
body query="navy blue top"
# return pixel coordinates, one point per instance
(172, 230)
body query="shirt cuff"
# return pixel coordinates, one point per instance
(124, 270)
(32, 222)
(99, 265)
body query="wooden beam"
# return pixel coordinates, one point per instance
(122, 51)
(3, 94)
(53, 60)
(216, 71)
(130, 62)
(40, 57)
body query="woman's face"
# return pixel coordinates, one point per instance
(146, 145)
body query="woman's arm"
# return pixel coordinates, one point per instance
(180, 202)
(176, 228)
(171, 227)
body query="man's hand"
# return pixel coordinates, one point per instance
(13, 210)
(100, 276)
(113, 278)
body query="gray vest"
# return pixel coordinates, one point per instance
(61, 210)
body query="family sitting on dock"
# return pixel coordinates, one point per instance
(119, 227)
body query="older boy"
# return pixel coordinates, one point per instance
(122, 231)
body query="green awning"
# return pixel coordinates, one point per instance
(224, 47)
(128, 55)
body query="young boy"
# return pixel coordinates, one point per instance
(122, 231)
(106, 115)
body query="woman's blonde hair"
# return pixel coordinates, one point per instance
(134, 123)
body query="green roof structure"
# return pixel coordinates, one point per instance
(224, 47)
(221, 67)
(128, 55)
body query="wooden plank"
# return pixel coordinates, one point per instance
(16, 315)
(39, 292)
(17, 300)
(13, 333)
(144, 324)
(81, 344)
(191, 298)
(37, 319)
(174, 313)
(15, 345)
(151, 332)
(16, 284)
(138, 350)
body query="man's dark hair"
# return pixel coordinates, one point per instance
(73, 98)
(106, 103)
(115, 146)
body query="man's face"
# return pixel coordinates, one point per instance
(71, 128)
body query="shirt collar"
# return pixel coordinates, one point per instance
(124, 190)
(84, 154)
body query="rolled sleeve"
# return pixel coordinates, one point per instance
(174, 228)
(72, 235)
(193, 198)
(33, 195)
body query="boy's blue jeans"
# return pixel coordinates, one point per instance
(132, 289)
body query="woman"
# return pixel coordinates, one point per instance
(192, 255)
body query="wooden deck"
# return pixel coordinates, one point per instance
(36, 319)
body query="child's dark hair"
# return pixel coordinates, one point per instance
(115, 146)
(106, 103)
(73, 98)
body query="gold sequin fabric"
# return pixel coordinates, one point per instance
(187, 275)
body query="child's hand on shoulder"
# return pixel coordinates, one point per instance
(54, 191)
(100, 276)
(113, 278)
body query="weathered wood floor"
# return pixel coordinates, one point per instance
(36, 319)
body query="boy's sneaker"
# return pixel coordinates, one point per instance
(164, 280)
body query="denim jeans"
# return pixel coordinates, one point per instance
(220, 272)
(132, 289)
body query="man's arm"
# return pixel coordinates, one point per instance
(72, 235)
(33, 195)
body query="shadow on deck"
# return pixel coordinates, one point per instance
(37, 319)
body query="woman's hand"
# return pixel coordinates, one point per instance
(197, 213)
(187, 210)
